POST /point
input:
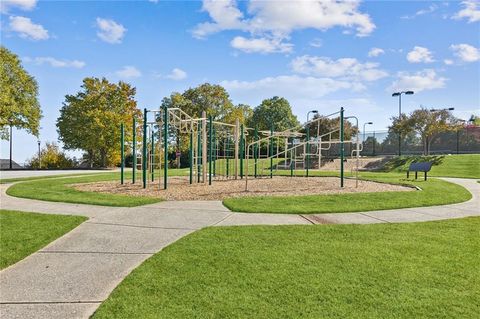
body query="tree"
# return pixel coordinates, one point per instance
(324, 125)
(19, 105)
(51, 157)
(276, 111)
(90, 120)
(427, 124)
(242, 112)
(213, 99)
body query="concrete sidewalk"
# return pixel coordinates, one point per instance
(71, 277)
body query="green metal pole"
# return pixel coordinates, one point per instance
(291, 163)
(342, 147)
(165, 147)
(271, 150)
(214, 154)
(144, 150)
(210, 149)
(134, 149)
(199, 150)
(242, 147)
(191, 157)
(255, 150)
(307, 158)
(122, 151)
(152, 154)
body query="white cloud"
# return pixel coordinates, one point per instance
(6, 5)
(316, 43)
(292, 87)
(27, 29)
(374, 52)
(348, 68)
(128, 72)
(419, 81)
(56, 63)
(430, 9)
(110, 31)
(177, 74)
(470, 11)
(419, 55)
(466, 52)
(260, 45)
(278, 19)
(448, 61)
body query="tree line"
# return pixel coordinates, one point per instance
(90, 118)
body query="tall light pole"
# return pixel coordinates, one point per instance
(39, 160)
(399, 94)
(366, 123)
(312, 111)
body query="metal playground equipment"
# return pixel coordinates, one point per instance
(223, 151)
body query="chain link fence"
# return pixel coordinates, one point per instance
(463, 141)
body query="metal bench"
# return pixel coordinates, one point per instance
(419, 167)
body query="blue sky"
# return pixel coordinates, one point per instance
(319, 55)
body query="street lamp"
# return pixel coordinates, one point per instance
(312, 111)
(399, 94)
(39, 162)
(445, 109)
(367, 123)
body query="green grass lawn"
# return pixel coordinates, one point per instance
(24, 233)
(434, 192)
(34, 178)
(418, 270)
(463, 165)
(60, 190)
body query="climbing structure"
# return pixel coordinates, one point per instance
(223, 151)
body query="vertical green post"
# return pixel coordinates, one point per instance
(165, 146)
(122, 152)
(191, 157)
(242, 150)
(152, 154)
(210, 149)
(144, 149)
(214, 154)
(255, 150)
(199, 150)
(291, 163)
(307, 157)
(342, 147)
(134, 149)
(271, 150)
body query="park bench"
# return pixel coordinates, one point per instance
(419, 167)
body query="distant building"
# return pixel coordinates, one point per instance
(5, 164)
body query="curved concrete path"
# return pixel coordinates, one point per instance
(70, 277)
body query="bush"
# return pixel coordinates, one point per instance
(51, 157)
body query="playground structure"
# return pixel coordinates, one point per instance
(222, 151)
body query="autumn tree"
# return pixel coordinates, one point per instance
(90, 120)
(428, 124)
(276, 111)
(19, 105)
(51, 157)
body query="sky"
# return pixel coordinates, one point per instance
(319, 55)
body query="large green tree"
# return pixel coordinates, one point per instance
(19, 105)
(211, 98)
(90, 120)
(276, 111)
(322, 125)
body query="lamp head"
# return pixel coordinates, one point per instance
(369, 122)
(396, 94)
(409, 92)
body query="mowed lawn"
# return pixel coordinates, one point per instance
(24, 233)
(433, 192)
(417, 270)
(463, 165)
